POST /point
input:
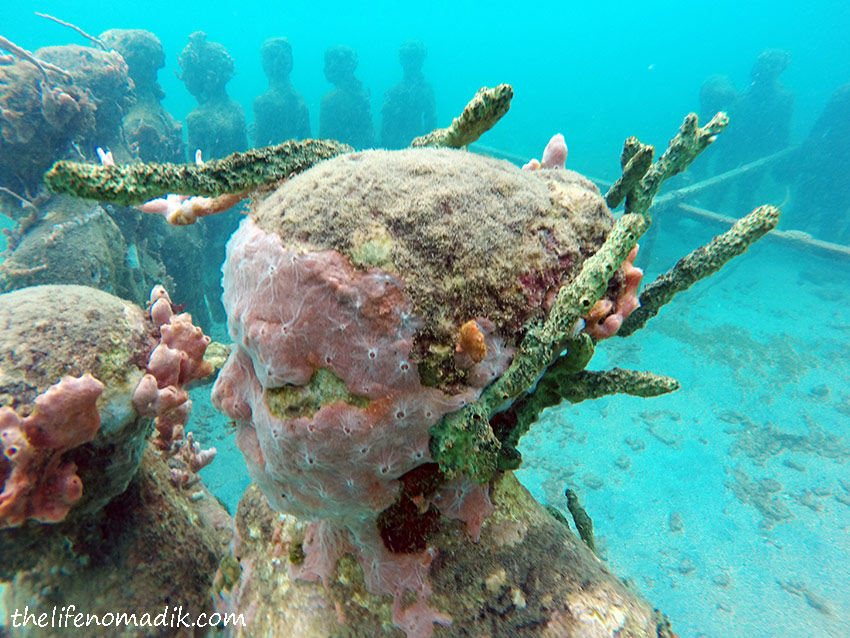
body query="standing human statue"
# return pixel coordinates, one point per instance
(217, 125)
(760, 124)
(819, 171)
(345, 113)
(217, 128)
(409, 109)
(150, 130)
(280, 113)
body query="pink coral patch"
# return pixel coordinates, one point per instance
(36, 483)
(467, 501)
(606, 316)
(175, 362)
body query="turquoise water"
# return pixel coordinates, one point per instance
(761, 349)
(576, 68)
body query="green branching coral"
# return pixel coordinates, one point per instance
(567, 380)
(479, 116)
(700, 264)
(237, 173)
(635, 159)
(681, 152)
(464, 442)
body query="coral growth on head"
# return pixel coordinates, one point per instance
(354, 338)
(62, 455)
(470, 237)
(51, 332)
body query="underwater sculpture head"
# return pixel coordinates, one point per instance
(277, 58)
(206, 66)
(411, 55)
(143, 53)
(769, 65)
(353, 338)
(78, 405)
(332, 325)
(340, 64)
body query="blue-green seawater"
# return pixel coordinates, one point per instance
(762, 350)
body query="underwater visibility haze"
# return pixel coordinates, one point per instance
(436, 319)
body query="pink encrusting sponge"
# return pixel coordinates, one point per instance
(329, 405)
(37, 482)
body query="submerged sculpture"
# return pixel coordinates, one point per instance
(280, 113)
(150, 129)
(85, 501)
(400, 319)
(217, 125)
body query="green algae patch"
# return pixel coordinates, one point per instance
(296, 401)
(373, 249)
(296, 553)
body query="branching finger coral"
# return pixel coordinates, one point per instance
(479, 116)
(700, 264)
(463, 442)
(239, 172)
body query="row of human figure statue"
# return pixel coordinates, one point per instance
(217, 124)
(813, 174)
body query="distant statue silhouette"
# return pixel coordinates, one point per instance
(217, 125)
(345, 113)
(821, 203)
(280, 113)
(716, 94)
(759, 125)
(409, 109)
(761, 115)
(149, 128)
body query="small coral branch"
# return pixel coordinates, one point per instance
(635, 159)
(681, 152)
(700, 264)
(182, 210)
(95, 41)
(582, 521)
(239, 172)
(593, 385)
(479, 116)
(194, 456)
(567, 379)
(190, 460)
